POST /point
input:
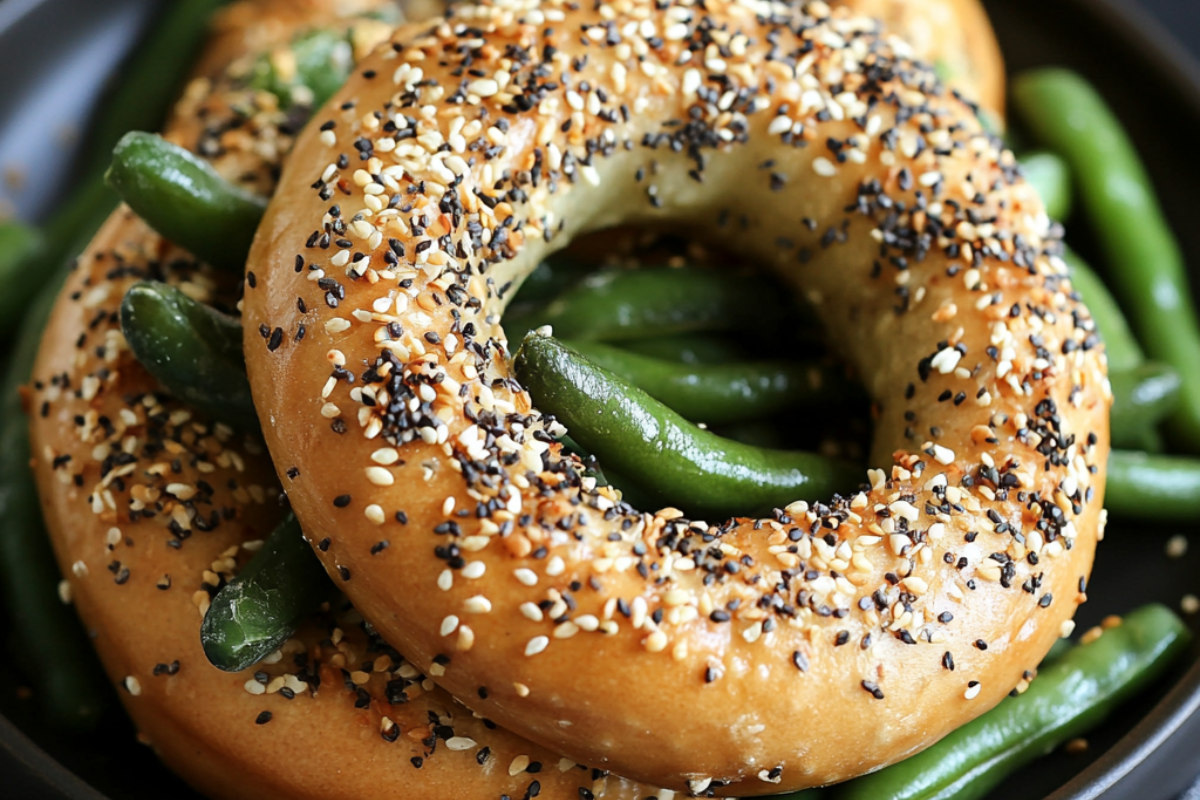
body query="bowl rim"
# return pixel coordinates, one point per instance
(1172, 63)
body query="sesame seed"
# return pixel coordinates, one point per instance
(536, 645)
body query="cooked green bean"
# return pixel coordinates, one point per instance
(1120, 345)
(194, 351)
(688, 348)
(263, 606)
(18, 243)
(1050, 175)
(717, 393)
(1145, 263)
(636, 304)
(1153, 487)
(1068, 698)
(658, 451)
(182, 197)
(1141, 398)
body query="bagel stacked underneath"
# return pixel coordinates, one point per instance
(742, 656)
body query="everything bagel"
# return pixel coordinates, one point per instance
(688, 654)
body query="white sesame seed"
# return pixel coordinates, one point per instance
(532, 611)
(518, 765)
(380, 476)
(824, 167)
(474, 570)
(445, 580)
(477, 604)
(449, 625)
(79, 569)
(555, 566)
(536, 645)
(374, 513)
(133, 685)
(526, 576)
(943, 455)
(460, 743)
(973, 690)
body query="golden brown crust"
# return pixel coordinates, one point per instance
(811, 144)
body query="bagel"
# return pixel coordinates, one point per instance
(151, 508)
(688, 654)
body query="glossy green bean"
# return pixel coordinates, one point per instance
(1142, 397)
(18, 243)
(194, 351)
(688, 348)
(1150, 487)
(1069, 697)
(182, 197)
(659, 452)
(717, 393)
(260, 609)
(1051, 176)
(1120, 345)
(1146, 265)
(636, 304)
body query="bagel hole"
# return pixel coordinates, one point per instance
(840, 430)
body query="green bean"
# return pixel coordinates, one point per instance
(1141, 398)
(1153, 487)
(1050, 175)
(193, 350)
(1120, 345)
(182, 197)
(1146, 265)
(688, 348)
(60, 661)
(660, 453)
(151, 78)
(18, 243)
(263, 606)
(323, 60)
(1068, 698)
(548, 280)
(636, 304)
(719, 393)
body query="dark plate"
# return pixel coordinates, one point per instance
(55, 56)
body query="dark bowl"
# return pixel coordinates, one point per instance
(56, 56)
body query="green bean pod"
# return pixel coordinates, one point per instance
(1141, 398)
(1146, 265)
(1152, 487)
(1120, 345)
(617, 305)
(260, 609)
(182, 197)
(659, 452)
(688, 348)
(717, 393)
(194, 351)
(1051, 176)
(1068, 698)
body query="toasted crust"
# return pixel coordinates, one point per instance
(930, 262)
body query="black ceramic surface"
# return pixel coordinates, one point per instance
(55, 54)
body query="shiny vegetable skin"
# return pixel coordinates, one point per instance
(1120, 345)
(1141, 398)
(53, 647)
(261, 608)
(321, 63)
(717, 393)
(635, 304)
(1152, 488)
(658, 452)
(1051, 176)
(193, 350)
(182, 197)
(1146, 266)
(688, 348)
(1068, 698)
